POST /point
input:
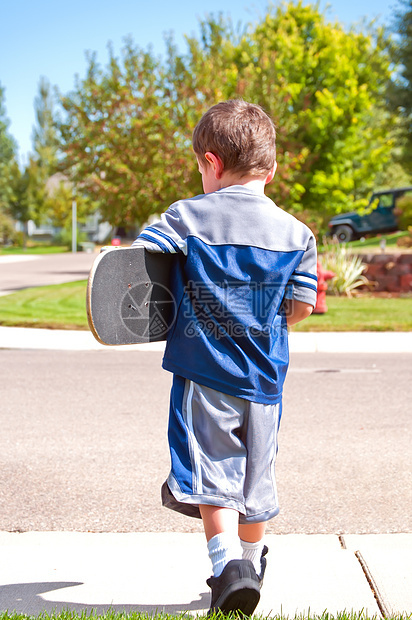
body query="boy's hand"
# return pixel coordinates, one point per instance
(296, 311)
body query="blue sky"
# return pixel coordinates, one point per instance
(49, 38)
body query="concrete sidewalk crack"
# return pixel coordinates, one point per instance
(373, 586)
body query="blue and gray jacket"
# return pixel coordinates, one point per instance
(239, 257)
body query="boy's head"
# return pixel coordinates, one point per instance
(240, 134)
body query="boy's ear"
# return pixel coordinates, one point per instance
(271, 173)
(216, 163)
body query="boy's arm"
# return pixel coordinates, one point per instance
(296, 311)
(301, 292)
(167, 235)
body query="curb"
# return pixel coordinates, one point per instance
(299, 342)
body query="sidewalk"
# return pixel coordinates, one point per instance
(299, 342)
(166, 572)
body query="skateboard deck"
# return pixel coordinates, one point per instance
(128, 296)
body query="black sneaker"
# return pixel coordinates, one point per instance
(263, 562)
(236, 589)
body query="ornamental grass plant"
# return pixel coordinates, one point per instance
(347, 267)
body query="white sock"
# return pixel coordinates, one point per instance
(253, 552)
(222, 549)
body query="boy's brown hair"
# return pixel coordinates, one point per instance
(240, 133)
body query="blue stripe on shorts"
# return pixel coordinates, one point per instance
(178, 437)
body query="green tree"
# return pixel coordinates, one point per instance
(400, 89)
(13, 183)
(7, 158)
(19, 206)
(49, 192)
(323, 86)
(127, 137)
(45, 137)
(60, 194)
(121, 144)
(44, 160)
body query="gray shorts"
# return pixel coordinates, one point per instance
(223, 451)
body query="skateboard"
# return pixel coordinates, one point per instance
(128, 297)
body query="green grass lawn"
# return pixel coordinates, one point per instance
(60, 306)
(112, 615)
(37, 249)
(370, 244)
(361, 314)
(63, 306)
(374, 242)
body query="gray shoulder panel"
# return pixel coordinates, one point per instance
(239, 216)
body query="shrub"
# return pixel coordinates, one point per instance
(348, 270)
(406, 241)
(404, 211)
(7, 230)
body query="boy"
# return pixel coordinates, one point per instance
(246, 271)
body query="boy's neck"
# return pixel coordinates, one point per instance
(257, 184)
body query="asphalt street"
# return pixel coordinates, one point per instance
(22, 271)
(84, 443)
